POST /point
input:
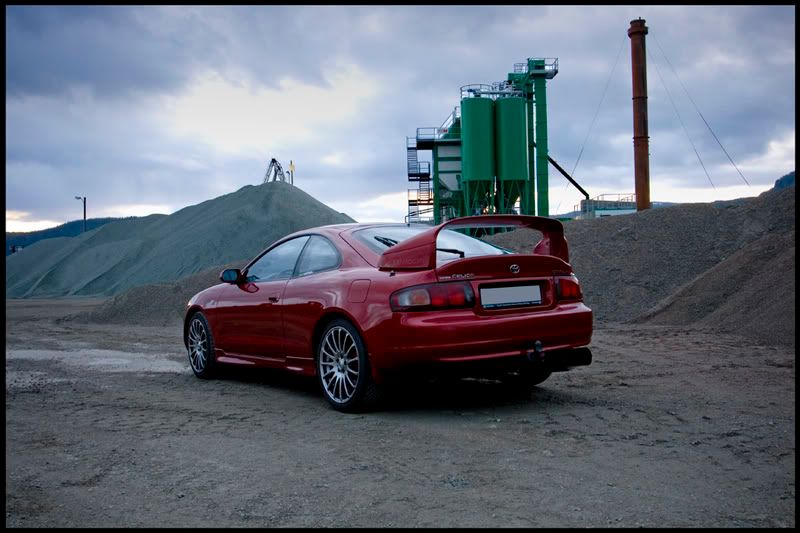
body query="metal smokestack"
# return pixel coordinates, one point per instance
(641, 153)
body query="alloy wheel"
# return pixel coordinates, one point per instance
(339, 364)
(198, 345)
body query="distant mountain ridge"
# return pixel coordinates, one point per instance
(68, 229)
(160, 248)
(785, 181)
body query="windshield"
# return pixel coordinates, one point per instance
(450, 245)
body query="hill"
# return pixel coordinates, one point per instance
(158, 248)
(728, 266)
(68, 229)
(161, 304)
(751, 293)
(785, 181)
(689, 264)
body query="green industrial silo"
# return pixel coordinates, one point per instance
(512, 154)
(478, 154)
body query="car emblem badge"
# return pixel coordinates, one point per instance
(514, 269)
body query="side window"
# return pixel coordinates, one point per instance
(278, 263)
(319, 255)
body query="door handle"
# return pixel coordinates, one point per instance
(273, 299)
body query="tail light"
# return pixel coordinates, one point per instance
(433, 297)
(568, 288)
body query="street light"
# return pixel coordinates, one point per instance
(84, 210)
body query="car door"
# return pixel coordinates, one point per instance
(250, 313)
(317, 285)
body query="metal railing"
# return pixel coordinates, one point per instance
(497, 89)
(616, 197)
(418, 168)
(434, 133)
(420, 215)
(549, 68)
(451, 119)
(606, 201)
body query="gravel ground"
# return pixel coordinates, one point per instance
(669, 427)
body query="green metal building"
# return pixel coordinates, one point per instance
(489, 155)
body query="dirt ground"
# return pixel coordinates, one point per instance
(107, 426)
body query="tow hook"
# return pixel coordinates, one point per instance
(537, 354)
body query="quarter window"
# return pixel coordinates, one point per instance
(278, 263)
(319, 254)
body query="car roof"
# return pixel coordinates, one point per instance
(360, 225)
(352, 227)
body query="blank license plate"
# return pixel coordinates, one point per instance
(511, 296)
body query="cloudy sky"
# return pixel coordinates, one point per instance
(151, 109)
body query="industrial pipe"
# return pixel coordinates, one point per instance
(641, 154)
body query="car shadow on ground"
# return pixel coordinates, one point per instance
(473, 394)
(421, 393)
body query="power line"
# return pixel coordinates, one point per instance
(681, 120)
(605, 90)
(699, 113)
(597, 111)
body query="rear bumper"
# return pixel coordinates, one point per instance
(554, 335)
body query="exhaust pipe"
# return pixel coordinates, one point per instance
(559, 360)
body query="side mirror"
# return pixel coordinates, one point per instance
(231, 275)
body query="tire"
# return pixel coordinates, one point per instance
(343, 369)
(200, 347)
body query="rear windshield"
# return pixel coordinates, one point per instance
(450, 244)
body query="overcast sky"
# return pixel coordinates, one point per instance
(151, 109)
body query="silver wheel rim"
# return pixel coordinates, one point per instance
(198, 345)
(338, 364)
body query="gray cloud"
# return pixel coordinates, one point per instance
(83, 86)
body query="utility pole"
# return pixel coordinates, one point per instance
(84, 210)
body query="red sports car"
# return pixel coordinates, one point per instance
(351, 303)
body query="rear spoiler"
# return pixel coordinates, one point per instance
(419, 252)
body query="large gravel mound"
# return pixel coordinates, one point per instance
(159, 248)
(161, 304)
(658, 264)
(751, 293)
(726, 265)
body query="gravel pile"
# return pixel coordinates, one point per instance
(160, 248)
(727, 265)
(161, 304)
(751, 293)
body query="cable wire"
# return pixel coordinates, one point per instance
(699, 113)
(597, 111)
(681, 120)
(605, 90)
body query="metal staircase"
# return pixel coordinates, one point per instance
(416, 170)
(420, 200)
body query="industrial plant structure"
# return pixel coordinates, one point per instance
(490, 154)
